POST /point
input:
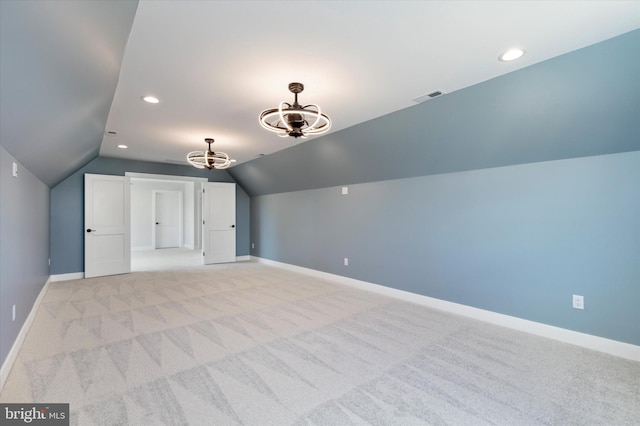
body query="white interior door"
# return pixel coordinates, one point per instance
(219, 222)
(107, 236)
(168, 218)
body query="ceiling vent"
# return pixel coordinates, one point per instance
(428, 96)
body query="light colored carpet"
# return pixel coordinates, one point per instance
(252, 344)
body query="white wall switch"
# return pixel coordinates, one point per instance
(346, 261)
(345, 190)
(13, 313)
(578, 301)
(15, 169)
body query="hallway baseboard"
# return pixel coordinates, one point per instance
(66, 277)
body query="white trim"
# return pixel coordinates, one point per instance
(601, 344)
(149, 176)
(242, 258)
(67, 277)
(17, 344)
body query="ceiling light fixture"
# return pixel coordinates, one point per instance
(511, 55)
(208, 159)
(150, 99)
(294, 119)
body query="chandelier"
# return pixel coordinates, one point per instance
(294, 119)
(208, 159)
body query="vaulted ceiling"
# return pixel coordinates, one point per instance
(72, 73)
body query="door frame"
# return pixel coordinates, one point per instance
(154, 194)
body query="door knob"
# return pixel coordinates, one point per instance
(233, 226)
(157, 223)
(91, 230)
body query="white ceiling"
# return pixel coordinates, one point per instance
(215, 65)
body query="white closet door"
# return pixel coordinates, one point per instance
(168, 218)
(107, 229)
(219, 222)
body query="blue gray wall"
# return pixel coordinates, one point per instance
(510, 195)
(518, 240)
(24, 246)
(60, 66)
(584, 103)
(67, 207)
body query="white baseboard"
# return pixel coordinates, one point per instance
(612, 347)
(66, 277)
(17, 344)
(242, 258)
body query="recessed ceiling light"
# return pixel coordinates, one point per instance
(150, 99)
(511, 54)
(123, 146)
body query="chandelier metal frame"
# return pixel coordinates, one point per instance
(208, 159)
(294, 119)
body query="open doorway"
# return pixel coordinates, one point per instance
(166, 214)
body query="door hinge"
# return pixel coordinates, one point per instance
(203, 222)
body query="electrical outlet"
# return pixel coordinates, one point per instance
(346, 261)
(253, 245)
(13, 313)
(578, 302)
(345, 190)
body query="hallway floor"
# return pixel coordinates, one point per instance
(165, 259)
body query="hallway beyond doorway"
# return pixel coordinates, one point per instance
(165, 259)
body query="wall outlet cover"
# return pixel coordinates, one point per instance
(578, 301)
